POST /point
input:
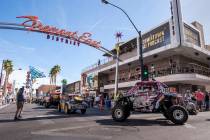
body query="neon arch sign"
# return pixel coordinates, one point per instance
(33, 23)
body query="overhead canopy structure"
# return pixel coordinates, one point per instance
(35, 73)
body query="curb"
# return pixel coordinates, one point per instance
(1, 107)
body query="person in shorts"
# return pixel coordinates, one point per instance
(20, 102)
(199, 95)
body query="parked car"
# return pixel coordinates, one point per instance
(152, 95)
(71, 103)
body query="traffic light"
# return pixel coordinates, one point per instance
(145, 73)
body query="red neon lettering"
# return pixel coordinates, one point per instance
(34, 21)
(84, 37)
(45, 28)
(37, 25)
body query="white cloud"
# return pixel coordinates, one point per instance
(12, 47)
(96, 24)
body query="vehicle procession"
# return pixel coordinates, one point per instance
(63, 76)
(144, 97)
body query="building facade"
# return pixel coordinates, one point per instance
(43, 89)
(72, 88)
(174, 51)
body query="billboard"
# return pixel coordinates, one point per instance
(156, 38)
(191, 35)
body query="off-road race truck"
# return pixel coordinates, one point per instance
(51, 98)
(71, 103)
(152, 95)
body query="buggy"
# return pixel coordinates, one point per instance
(152, 95)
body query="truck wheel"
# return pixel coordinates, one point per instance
(119, 113)
(83, 111)
(178, 114)
(59, 108)
(66, 109)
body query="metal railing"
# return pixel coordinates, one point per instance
(188, 68)
(98, 64)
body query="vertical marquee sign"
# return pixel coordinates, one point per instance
(176, 21)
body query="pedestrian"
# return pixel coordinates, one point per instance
(153, 71)
(20, 102)
(101, 103)
(99, 62)
(207, 101)
(170, 66)
(92, 101)
(188, 95)
(199, 95)
(97, 99)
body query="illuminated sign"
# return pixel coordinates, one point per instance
(156, 38)
(34, 24)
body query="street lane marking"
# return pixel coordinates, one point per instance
(189, 126)
(46, 121)
(56, 132)
(42, 116)
(72, 128)
(72, 135)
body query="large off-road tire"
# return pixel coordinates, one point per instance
(66, 109)
(178, 114)
(83, 111)
(119, 113)
(59, 108)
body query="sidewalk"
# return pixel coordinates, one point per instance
(3, 106)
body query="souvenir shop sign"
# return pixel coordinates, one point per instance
(156, 38)
(33, 23)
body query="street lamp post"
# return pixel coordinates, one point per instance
(1, 73)
(116, 71)
(139, 39)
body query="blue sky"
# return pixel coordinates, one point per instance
(103, 21)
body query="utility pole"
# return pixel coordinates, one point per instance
(2, 67)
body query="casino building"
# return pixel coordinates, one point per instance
(174, 51)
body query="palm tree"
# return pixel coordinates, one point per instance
(53, 74)
(57, 70)
(64, 83)
(8, 67)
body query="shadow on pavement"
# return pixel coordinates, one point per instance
(136, 122)
(54, 114)
(34, 118)
(207, 119)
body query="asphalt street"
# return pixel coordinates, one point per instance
(39, 123)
